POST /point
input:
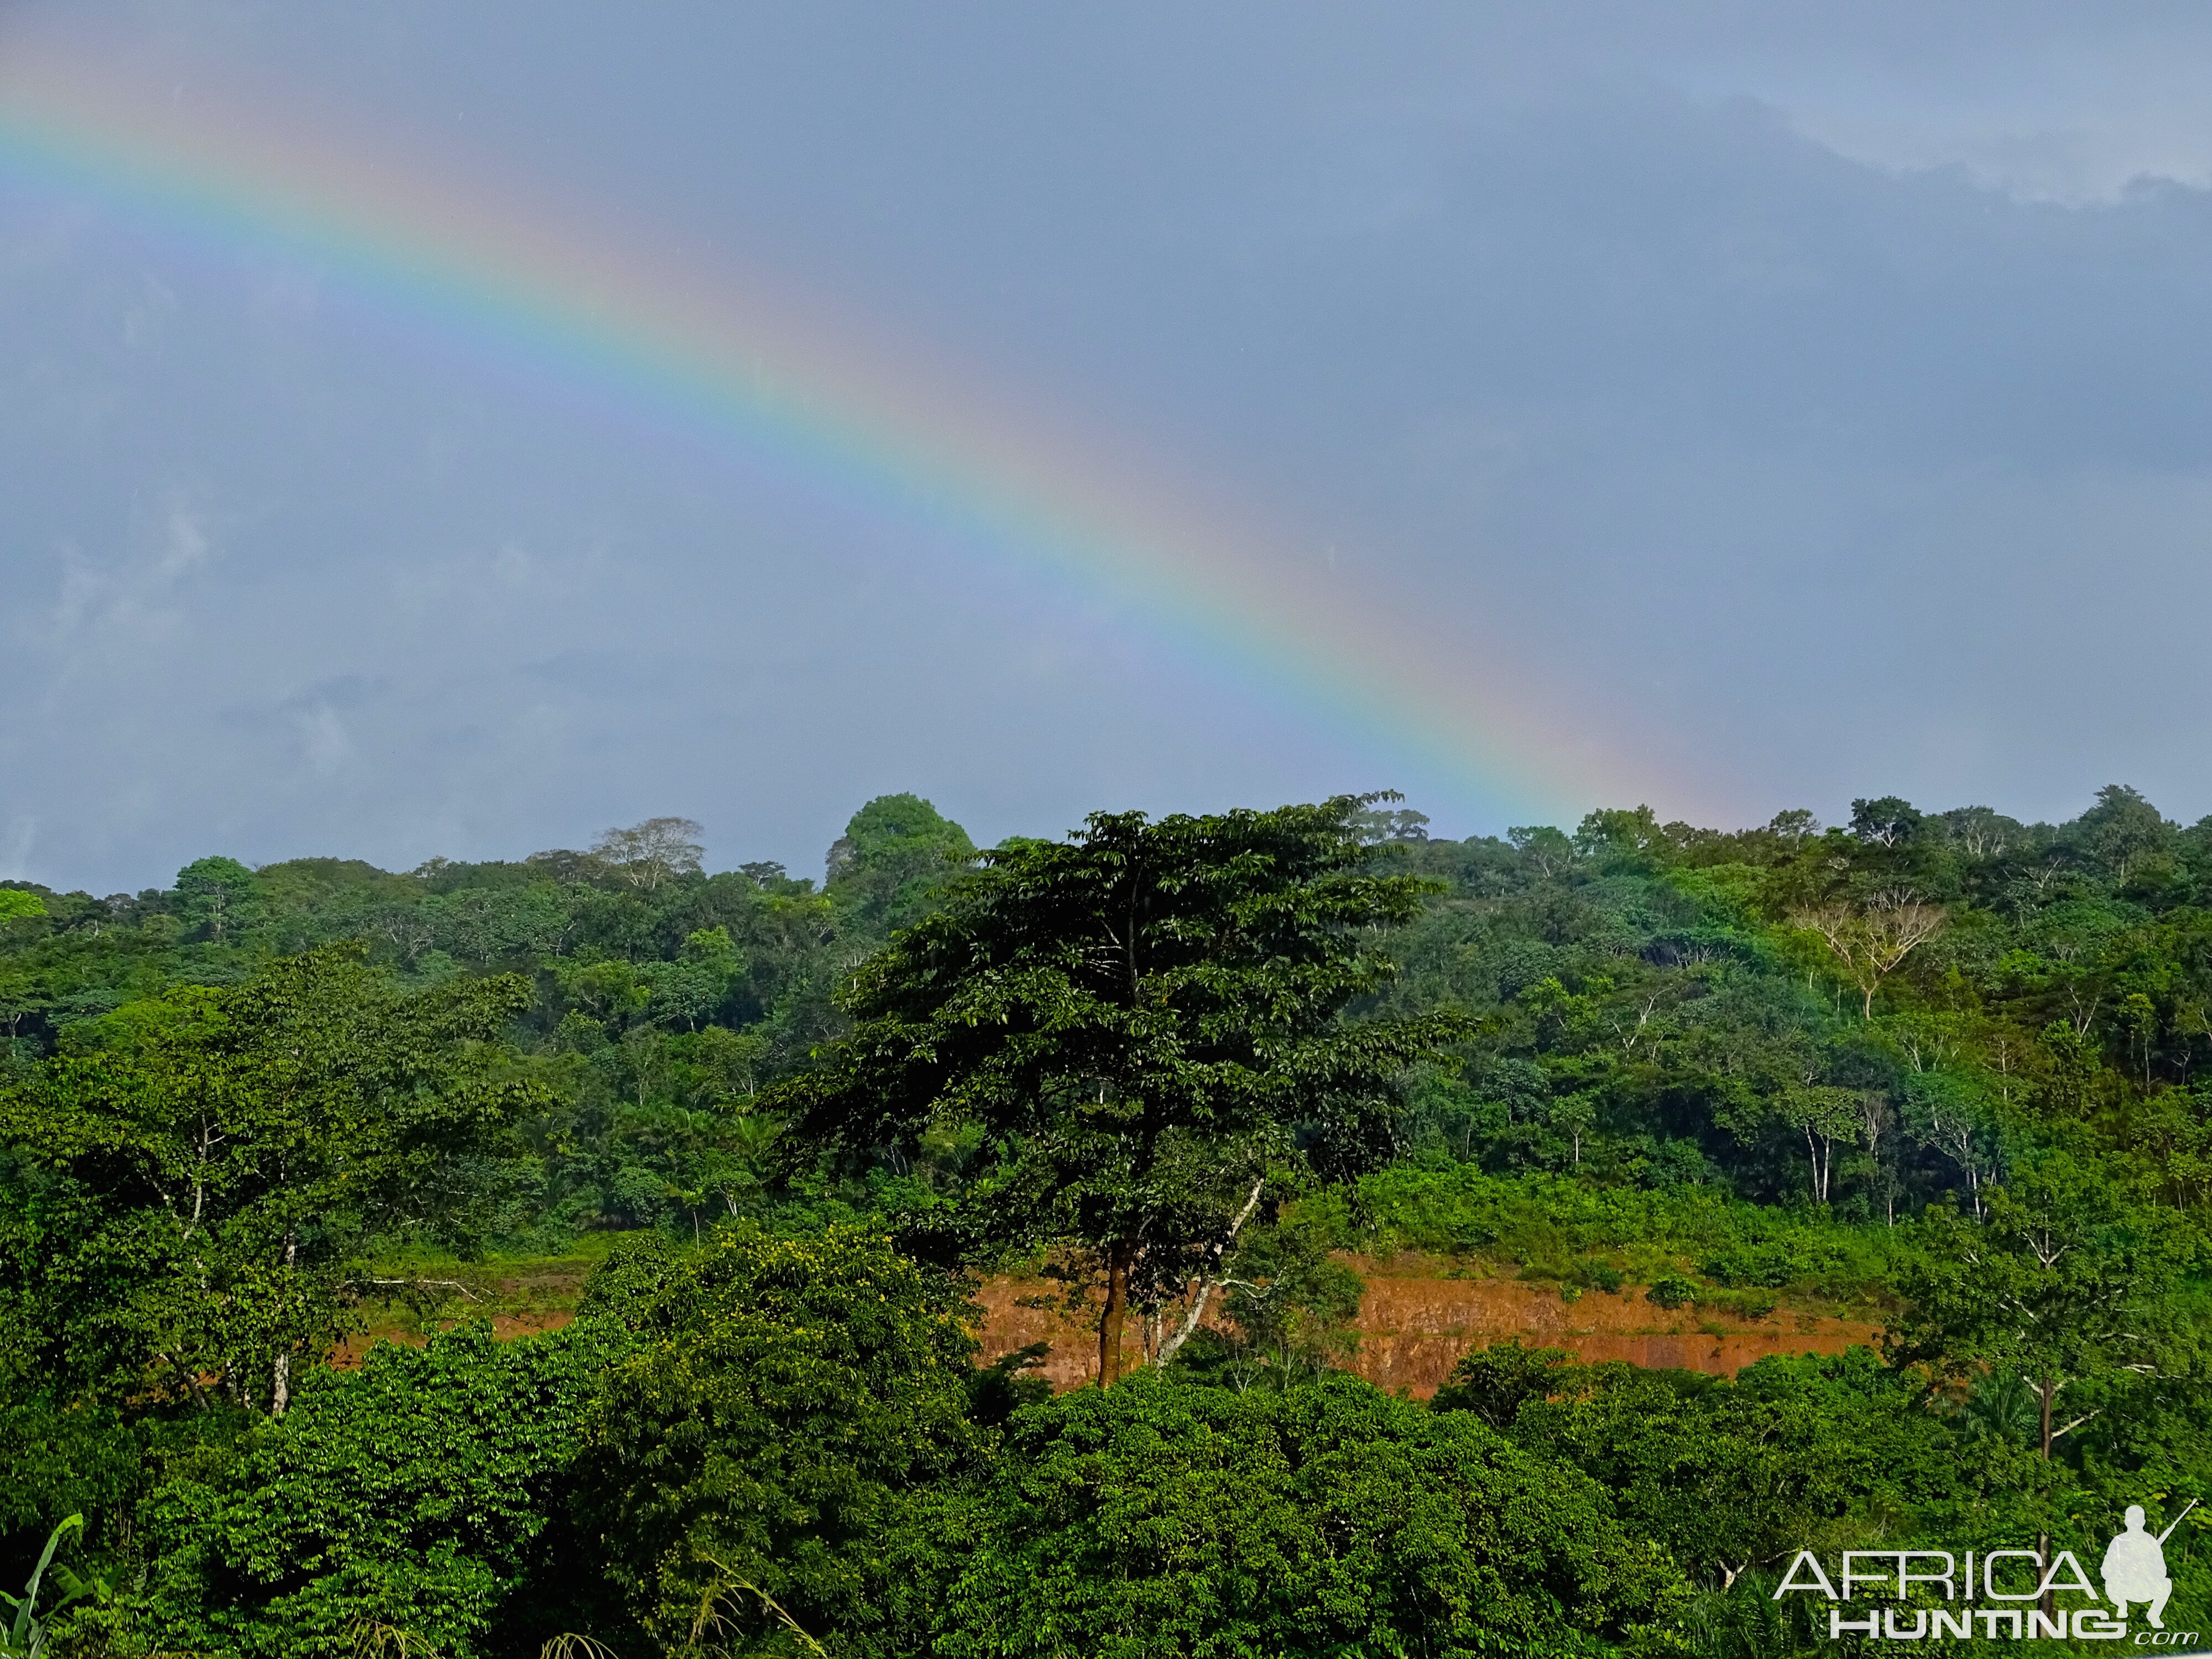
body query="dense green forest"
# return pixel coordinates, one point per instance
(1949, 1070)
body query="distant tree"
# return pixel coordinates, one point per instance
(1139, 1029)
(1378, 825)
(1954, 1115)
(1982, 832)
(1871, 941)
(706, 970)
(654, 852)
(16, 905)
(1824, 1115)
(1548, 849)
(2121, 830)
(1886, 821)
(896, 854)
(218, 895)
(2068, 1282)
(1617, 834)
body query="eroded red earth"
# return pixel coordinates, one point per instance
(1413, 1327)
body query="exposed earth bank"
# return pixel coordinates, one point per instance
(1413, 1329)
(1415, 1321)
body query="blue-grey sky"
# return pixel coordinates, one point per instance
(1808, 402)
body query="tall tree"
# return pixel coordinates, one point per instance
(2067, 1283)
(896, 854)
(1138, 1029)
(1871, 941)
(207, 1181)
(656, 851)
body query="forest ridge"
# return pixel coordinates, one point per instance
(1661, 1002)
(1944, 1067)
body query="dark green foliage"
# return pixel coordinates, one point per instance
(1004, 1385)
(76, 1459)
(1496, 1381)
(191, 1194)
(2068, 1284)
(1943, 1070)
(425, 1491)
(1730, 1475)
(895, 858)
(792, 1400)
(1167, 1518)
(1287, 1309)
(1128, 1036)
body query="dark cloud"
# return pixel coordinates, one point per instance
(1814, 401)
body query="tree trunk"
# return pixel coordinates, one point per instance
(1117, 1308)
(280, 1372)
(1172, 1345)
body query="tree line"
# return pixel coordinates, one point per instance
(1944, 1063)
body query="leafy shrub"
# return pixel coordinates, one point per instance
(1546, 1221)
(1496, 1381)
(775, 1435)
(421, 1493)
(1726, 1474)
(1771, 1265)
(81, 1460)
(1596, 1275)
(1672, 1291)
(1168, 1518)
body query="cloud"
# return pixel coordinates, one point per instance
(1811, 399)
(185, 546)
(132, 598)
(2051, 104)
(16, 845)
(324, 740)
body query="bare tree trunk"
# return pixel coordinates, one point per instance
(1206, 1286)
(1117, 1310)
(280, 1372)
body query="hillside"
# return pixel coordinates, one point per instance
(1695, 1100)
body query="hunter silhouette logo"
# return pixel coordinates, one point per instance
(2135, 1566)
(2134, 1573)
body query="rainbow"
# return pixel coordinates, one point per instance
(770, 369)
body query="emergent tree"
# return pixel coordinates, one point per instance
(1139, 1029)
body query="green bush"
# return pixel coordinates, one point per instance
(1597, 1275)
(82, 1459)
(1166, 1517)
(776, 1434)
(1671, 1292)
(1544, 1221)
(423, 1492)
(1726, 1474)
(1771, 1265)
